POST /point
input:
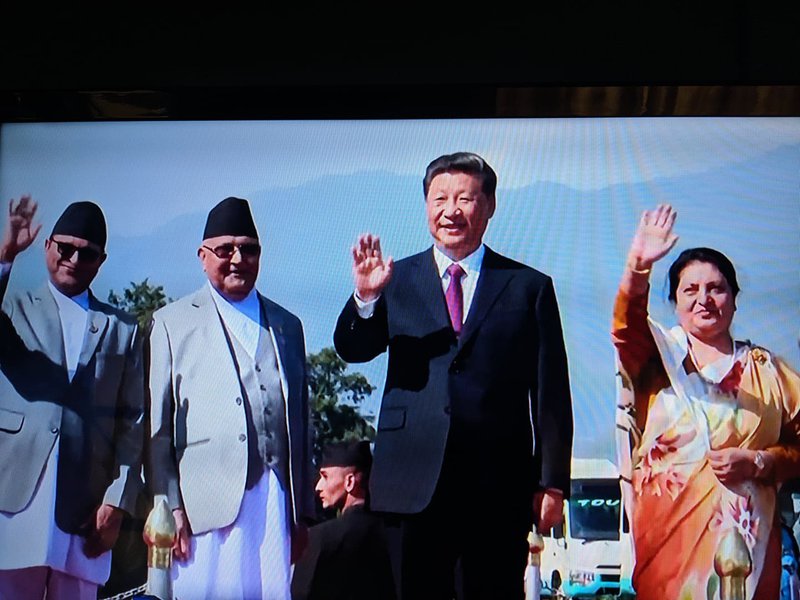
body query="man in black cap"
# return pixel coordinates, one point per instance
(230, 439)
(347, 558)
(71, 410)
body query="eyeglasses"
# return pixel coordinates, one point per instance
(225, 251)
(85, 254)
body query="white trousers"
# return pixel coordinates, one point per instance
(249, 559)
(31, 538)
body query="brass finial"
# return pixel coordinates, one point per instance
(535, 547)
(733, 564)
(160, 531)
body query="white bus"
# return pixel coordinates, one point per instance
(589, 555)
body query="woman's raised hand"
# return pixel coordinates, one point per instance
(653, 238)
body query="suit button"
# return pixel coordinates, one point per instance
(270, 459)
(242, 437)
(268, 411)
(239, 401)
(54, 430)
(447, 410)
(258, 368)
(263, 387)
(268, 435)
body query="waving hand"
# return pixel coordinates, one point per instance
(370, 272)
(654, 237)
(19, 231)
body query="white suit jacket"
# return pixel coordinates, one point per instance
(198, 437)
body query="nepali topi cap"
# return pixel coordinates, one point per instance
(82, 220)
(348, 454)
(232, 216)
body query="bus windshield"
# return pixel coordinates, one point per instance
(594, 510)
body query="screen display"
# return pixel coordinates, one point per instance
(570, 193)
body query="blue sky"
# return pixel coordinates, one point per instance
(570, 193)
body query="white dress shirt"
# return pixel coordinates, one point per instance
(73, 314)
(242, 318)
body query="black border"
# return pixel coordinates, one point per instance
(399, 102)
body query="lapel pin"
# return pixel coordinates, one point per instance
(93, 328)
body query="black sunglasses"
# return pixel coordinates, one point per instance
(225, 251)
(85, 254)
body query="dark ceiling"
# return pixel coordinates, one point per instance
(397, 61)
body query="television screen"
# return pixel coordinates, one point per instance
(570, 193)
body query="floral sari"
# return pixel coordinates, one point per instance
(676, 413)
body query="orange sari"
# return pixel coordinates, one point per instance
(679, 510)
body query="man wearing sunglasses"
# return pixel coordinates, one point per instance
(71, 410)
(230, 443)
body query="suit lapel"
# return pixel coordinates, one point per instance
(210, 318)
(212, 333)
(491, 283)
(46, 325)
(96, 325)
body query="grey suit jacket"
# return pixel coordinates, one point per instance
(198, 444)
(96, 418)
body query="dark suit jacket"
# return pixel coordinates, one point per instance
(504, 378)
(346, 559)
(97, 417)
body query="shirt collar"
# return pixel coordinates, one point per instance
(248, 306)
(81, 299)
(471, 264)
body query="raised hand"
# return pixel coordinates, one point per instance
(370, 272)
(653, 238)
(19, 231)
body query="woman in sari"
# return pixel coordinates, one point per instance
(715, 425)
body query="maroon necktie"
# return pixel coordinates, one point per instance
(455, 297)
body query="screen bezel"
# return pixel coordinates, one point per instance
(362, 102)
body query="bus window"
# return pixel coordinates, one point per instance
(594, 509)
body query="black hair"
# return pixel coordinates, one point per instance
(462, 162)
(705, 255)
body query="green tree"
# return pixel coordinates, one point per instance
(129, 556)
(141, 300)
(335, 397)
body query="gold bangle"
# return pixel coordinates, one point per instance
(640, 271)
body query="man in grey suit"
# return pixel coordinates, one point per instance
(71, 410)
(230, 440)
